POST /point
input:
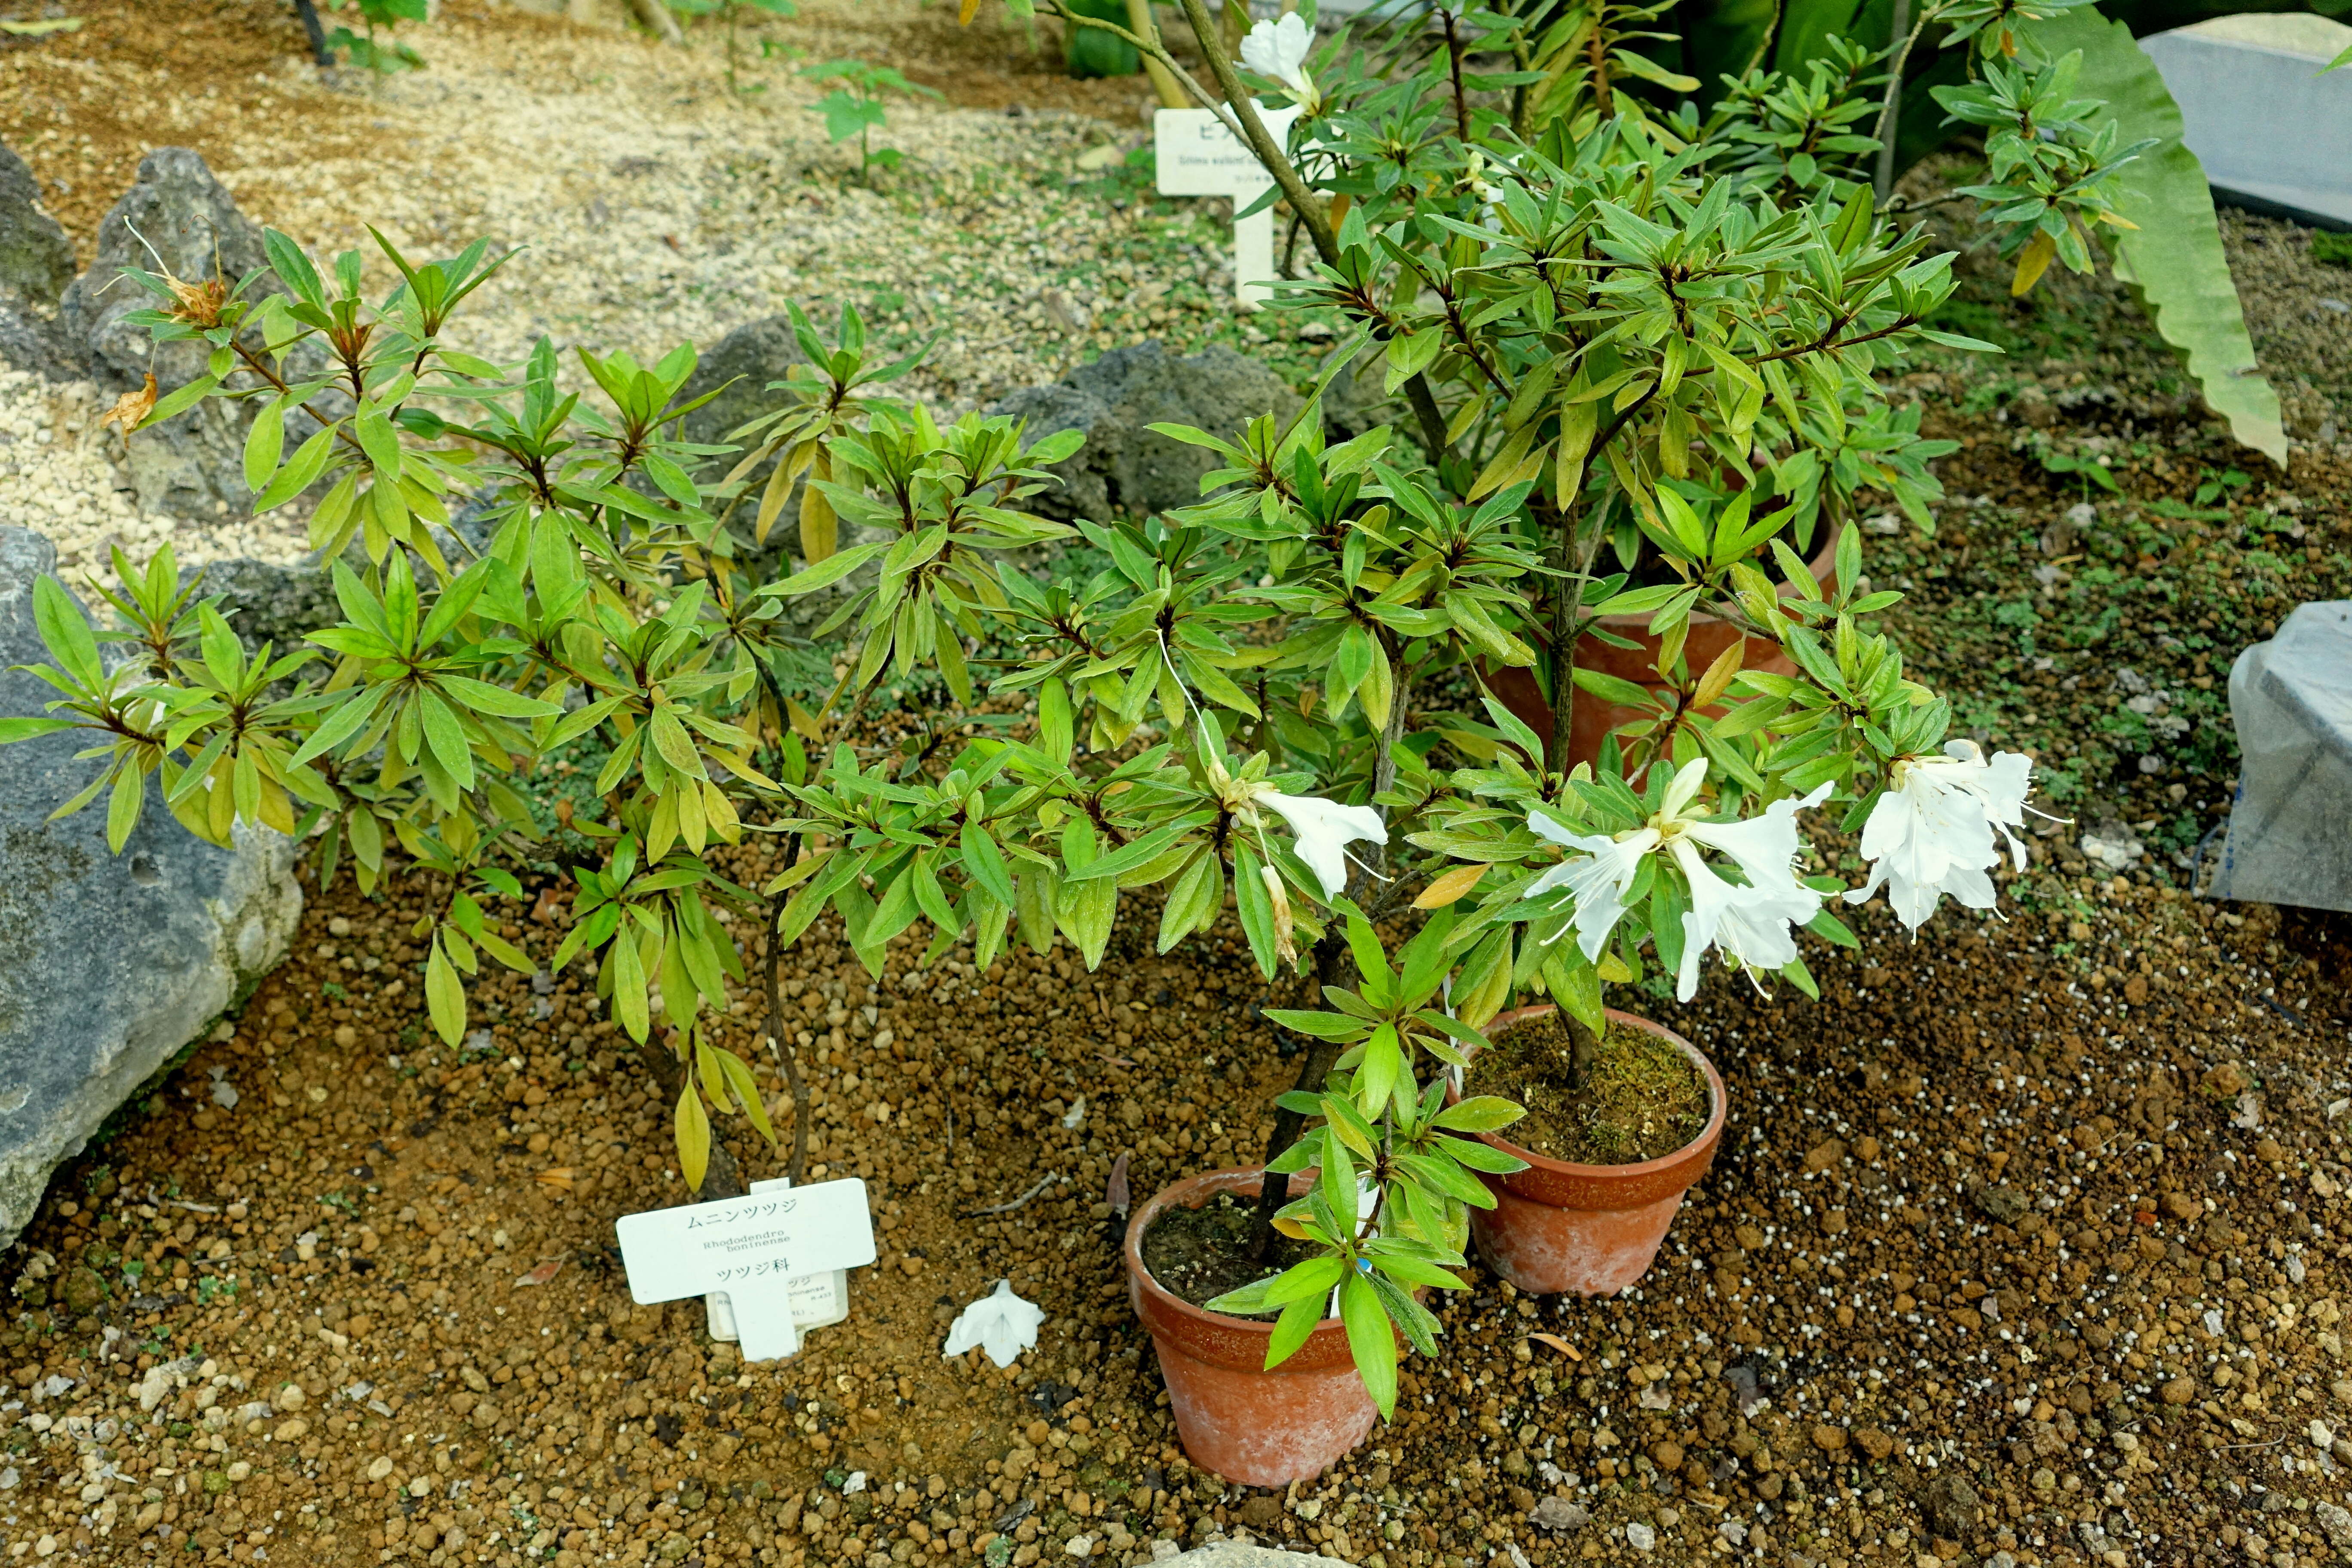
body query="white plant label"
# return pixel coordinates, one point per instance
(758, 1249)
(1197, 156)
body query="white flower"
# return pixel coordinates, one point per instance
(1000, 1323)
(1749, 923)
(1278, 50)
(1933, 831)
(1324, 828)
(1596, 881)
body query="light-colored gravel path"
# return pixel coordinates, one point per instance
(651, 206)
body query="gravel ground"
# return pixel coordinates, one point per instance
(2025, 1241)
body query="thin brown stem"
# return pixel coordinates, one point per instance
(1454, 67)
(1304, 202)
(784, 1052)
(1892, 109)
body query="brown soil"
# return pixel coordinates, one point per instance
(1642, 1099)
(1199, 1254)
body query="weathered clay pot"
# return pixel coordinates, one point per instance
(1590, 1230)
(1249, 1425)
(1515, 685)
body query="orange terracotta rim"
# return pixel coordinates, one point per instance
(1564, 1185)
(1236, 1344)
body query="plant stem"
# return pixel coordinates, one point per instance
(1304, 202)
(309, 10)
(1453, 67)
(654, 14)
(783, 1049)
(1152, 49)
(1888, 113)
(1164, 84)
(1289, 1123)
(1562, 652)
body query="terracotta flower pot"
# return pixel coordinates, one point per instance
(1590, 1230)
(1249, 1425)
(1515, 685)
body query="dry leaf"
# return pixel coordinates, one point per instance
(542, 1274)
(1653, 1397)
(131, 408)
(560, 1178)
(1450, 888)
(1561, 1346)
(1116, 1193)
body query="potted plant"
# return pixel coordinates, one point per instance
(1613, 347)
(1274, 1373)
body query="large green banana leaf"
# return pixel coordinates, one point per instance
(2174, 259)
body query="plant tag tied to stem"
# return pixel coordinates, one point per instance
(754, 1248)
(1197, 156)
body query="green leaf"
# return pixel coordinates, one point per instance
(444, 995)
(1479, 1113)
(264, 444)
(123, 810)
(179, 400)
(310, 460)
(1371, 1340)
(2174, 259)
(693, 1130)
(65, 631)
(1322, 1026)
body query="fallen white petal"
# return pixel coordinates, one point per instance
(1000, 1322)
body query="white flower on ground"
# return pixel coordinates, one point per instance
(1933, 832)
(1749, 923)
(1324, 829)
(1000, 1323)
(1279, 50)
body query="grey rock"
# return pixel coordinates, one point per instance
(108, 963)
(264, 601)
(35, 263)
(1559, 1513)
(29, 341)
(191, 465)
(1952, 1505)
(2334, 1523)
(1125, 468)
(36, 259)
(1241, 1555)
(743, 361)
(2002, 1205)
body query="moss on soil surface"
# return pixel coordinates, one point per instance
(1199, 1254)
(1643, 1100)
